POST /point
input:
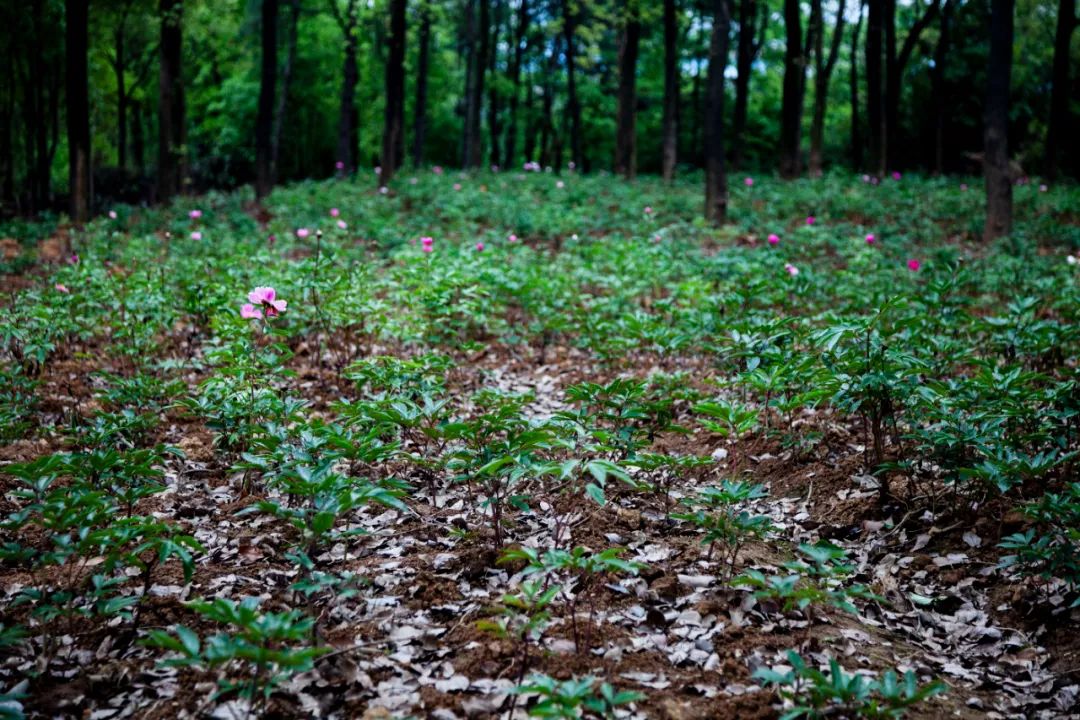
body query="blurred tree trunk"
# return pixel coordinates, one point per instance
(795, 61)
(670, 127)
(394, 112)
(626, 113)
(937, 82)
(349, 78)
(752, 24)
(1058, 139)
(573, 103)
(494, 129)
(894, 71)
(995, 134)
(420, 109)
(716, 192)
(171, 131)
(283, 96)
(76, 18)
(118, 62)
(823, 69)
(875, 98)
(530, 119)
(475, 89)
(515, 82)
(853, 76)
(264, 122)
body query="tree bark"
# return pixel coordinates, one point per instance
(1058, 139)
(283, 96)
(573, 104)
(264, 122)
(349, 78)
(394, 114)
(894, 70)
(670, 128)
(474, 155)
(875, 97)
(118, 65)
(420, 109)
(76, 18)
(995, 134)
(823, 69)
(853, 76)
(793, 90)
(626, 113)
(937, 81)
(510, 146)
(716, 192)
(751, 38)
(171, 131)
(494, 129)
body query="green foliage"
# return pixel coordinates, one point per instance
(574, 698)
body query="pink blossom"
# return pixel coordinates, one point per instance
(1043, 188)
(791, 269)
(383, 190)
(657, 238)
(895, 175)
(874, 180)
(195, 214)
(749, 182)
(334, 212)
(648, 210)
(774, 239)
(342, 225)
(457, 186)
(196, 235)
(427, 244)
(913, 265)
(512, 238)
(302, 232)
(413, 181)
(271, 240)
(73, 259)
(870, 238)
(112, 214)
(437, 169)
(339, 165)
(963, 187)
(61, 287)
(810, 219)
(250, 312)
(866, 178)
(479, 247)
(571, 165)
(266, 297)
(560, 184)
(378, 170)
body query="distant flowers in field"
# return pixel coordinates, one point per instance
(810, 219)
(112, 214)
(342, 225)
(196, 235)
(339, 165)
(913, 265)
(334, 212)
(427, 244)
(61, 287)
(870, 239)
(748, 182)
(302, 232)
(195, 214)
(260, 300)
(479, 247)
(791, 269)
(895, 175)
(774, 239)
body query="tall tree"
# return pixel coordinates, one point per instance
(394, 111)
(895, 62)
(420, 106)
(78, 108)
(940, 103)
(350, 76)
(875, 95)
(823, 69)
(670, 128)
(996, 122)
(494, 96)
(264, 123)
(571, 20)
(118, 63)
(171, 120)
(1058, 139)
(716, 191)
(520, 41)
(474, 99)
(794, 89)
(753, 19)
(626, 114)
(286, 81)
(853, 78)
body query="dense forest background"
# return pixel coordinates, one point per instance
(184, 97)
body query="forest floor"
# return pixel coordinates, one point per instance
(412, 416)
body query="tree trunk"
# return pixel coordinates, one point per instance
(478, 63)
(78, 109)
(875, 97)
(349, 78)
(895, 62)
(394, 114)
(530, 119)
(264, 123)
(995, 134)
(121, 97)
(420, 109)
(494, 130)
(625, 135)
(793, 90)
(138, 142)
(515, 81)
(937, 81)
(573, 104)
(1058, 138)
(856, 123)
(823, 70)
(716, 192)
(670, 128)
(171, 134)
(745, 53)
(283, 96)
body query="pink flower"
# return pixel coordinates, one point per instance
(196, 235)
(913, 265)
(870, 238)
(774, 239)
(342, 224)
(302, 233)
(512, 238)
(340, 165)
(657, 238)
(749, 182)
(378, 170)
(479, 247)
(457, 186)
(437, 169)
(648, 210)
(112, 214)
(250, 312)
(571, 165)
(383, 190)
(413, 181)
(266, 297)
(61, 287)
(963, 187)
(809, 219)
(73, 259)
(895, 175)
(195, 214)
(866, 178)
(334, 212)
(1043, 188)
(271, 240)
(427, 244)
(560, 184)
(791, 269)
(874, 180)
